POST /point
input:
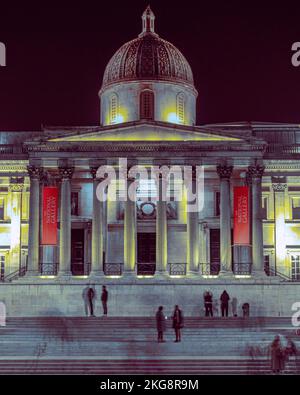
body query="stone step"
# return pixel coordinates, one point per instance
(140, 367)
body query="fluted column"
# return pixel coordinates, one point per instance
(66, 174)
(130, 230)
(225, 172)
(161, 229)
(35, 174)
(15, 188)
(97, 228)
(279, 189)
(255, 176)
(193, 241)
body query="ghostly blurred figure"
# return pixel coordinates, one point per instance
(2, 314)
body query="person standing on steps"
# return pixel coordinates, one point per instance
(104, 297)
(90, 297)
(160, 324)
(177, 323)
(224, 303)
(208, 300)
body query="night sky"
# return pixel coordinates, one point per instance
(240, 54)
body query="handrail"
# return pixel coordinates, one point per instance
(282, 275)
(16, 274)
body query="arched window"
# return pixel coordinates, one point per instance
(180, 107)
(147, 104)
(113, 108)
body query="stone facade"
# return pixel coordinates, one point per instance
(149, 119)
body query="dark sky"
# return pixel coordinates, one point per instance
(240, 53)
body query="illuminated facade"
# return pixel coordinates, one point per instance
(148, 113)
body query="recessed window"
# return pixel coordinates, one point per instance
(1, 208)
(296, 207)
(74, 203)
(295, 267)
(147, 104)
(267, 264)
(217, 204)
(180, 107)
(264, 208)
(113, 108)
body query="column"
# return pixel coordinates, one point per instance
(161, 229)
(97, 228)
(35, 174)
(66, 174)
(224, 172)
(130, 230)
(16, 187)
(279, 189)
(255, 176)
(193, 241)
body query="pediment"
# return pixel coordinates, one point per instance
(145, 132)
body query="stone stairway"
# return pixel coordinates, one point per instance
(121, 345)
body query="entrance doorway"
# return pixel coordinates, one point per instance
(146, 253)
(77, 252)
(215, 255)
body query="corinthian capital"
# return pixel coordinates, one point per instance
(66, 173)
(256, 171)
(224, 171)
(16, 184)
(35, 172)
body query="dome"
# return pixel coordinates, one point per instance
(148, 57)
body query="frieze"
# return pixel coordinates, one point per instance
(131, 147)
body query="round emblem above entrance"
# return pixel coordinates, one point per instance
(148, 209)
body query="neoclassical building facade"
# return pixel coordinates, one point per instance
(148, 117)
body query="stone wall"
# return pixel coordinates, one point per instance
(141, 297)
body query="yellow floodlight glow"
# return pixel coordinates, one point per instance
(173, 118)
(210, 276)
(47, 277)
(242, 276)
(119, 119)
(113, 276)
(146, 276)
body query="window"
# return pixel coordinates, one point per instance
(1, 208)
(74, 203)
(113, 108)
(295, 263)
(146, 189)
(180, 107)
(2, 266)
(147, 105)
(217, 204)
(296, 207)
(267, 264)
(264, 208)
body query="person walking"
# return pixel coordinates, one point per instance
(208, 300)
(177, 323)
(160, 324)
(90, 297)
(277, 355)
(224, 303)
(104, 297)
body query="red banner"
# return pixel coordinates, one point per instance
(49, 220)
(241, 225)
